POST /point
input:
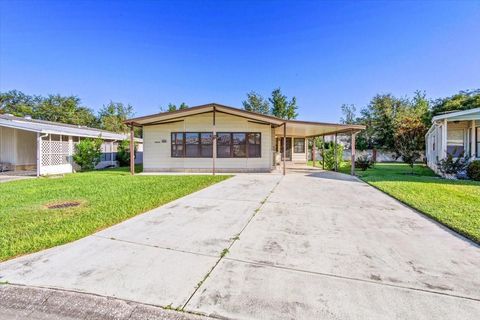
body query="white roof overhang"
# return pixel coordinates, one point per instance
(465, 115)
(47, 128)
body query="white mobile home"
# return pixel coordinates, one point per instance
(456, 133)
(219, 138)
(47, 147)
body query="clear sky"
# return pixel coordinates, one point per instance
(149, 53)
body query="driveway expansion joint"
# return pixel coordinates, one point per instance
(155, 246)
(331, 275)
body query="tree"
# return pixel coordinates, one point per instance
(383, 110)
(173, 107)
(281, 107)
(87, 153)
(113, 115)
(123, 153)
(62, 109)
(349, 114)
(256, 103)
(17, 103)
(409, 138)
(464, 100)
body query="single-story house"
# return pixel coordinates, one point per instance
(456, 133)
(47, 147)
(218, 138)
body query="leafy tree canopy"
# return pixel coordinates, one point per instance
(282, 107)
(173, 107)
(112, 116)
(464, 100)
(256, 103)
(65, 109)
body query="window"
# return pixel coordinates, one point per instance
(239, 145)
(455, 142)
(477, 138)
(299, 145)
(192, 145)
(177, 145)
(224, 142)
(254, 145)
(229, 145)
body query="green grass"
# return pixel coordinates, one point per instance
(107, 197)
(454, 203)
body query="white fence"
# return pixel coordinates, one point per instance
(382, 155)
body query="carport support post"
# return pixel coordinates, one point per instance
(352, 167)
(214, 142)
(323, 152)
(132, 150)
(284, 146)
(313, 151)
(39, 153)
(335, 154)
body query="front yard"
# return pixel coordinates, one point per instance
(454, 203)
(104, 198)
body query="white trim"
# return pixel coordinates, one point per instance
(456, 114)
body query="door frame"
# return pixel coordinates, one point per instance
(280, 146)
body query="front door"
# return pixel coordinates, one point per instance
(289, 149)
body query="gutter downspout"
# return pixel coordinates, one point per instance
(39, 151)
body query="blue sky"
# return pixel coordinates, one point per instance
(149, 53)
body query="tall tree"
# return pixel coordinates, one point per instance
(349, 112)
(383, 110)
(464, 100)
(173, 107)
(17, 103)
(409, 137)
(112, 116)
(256, 103)
(62, 109)
(281, 107)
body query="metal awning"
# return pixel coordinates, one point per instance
(48, 127)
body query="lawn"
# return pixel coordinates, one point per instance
(106, 197)
(454, 203)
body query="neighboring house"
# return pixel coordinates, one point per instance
(183, 140)
(47, 147)
(456, 133)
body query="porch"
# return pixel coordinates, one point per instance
(456, 134)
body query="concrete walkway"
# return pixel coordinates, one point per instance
(309, 245)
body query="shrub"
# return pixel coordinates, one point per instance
(364, 162)
(88, 153)
(451, 165)
(473, 170)
(123, 153)
(329, 156)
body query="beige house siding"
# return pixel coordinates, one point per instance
(157, 141)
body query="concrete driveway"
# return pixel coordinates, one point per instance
(310, 245)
